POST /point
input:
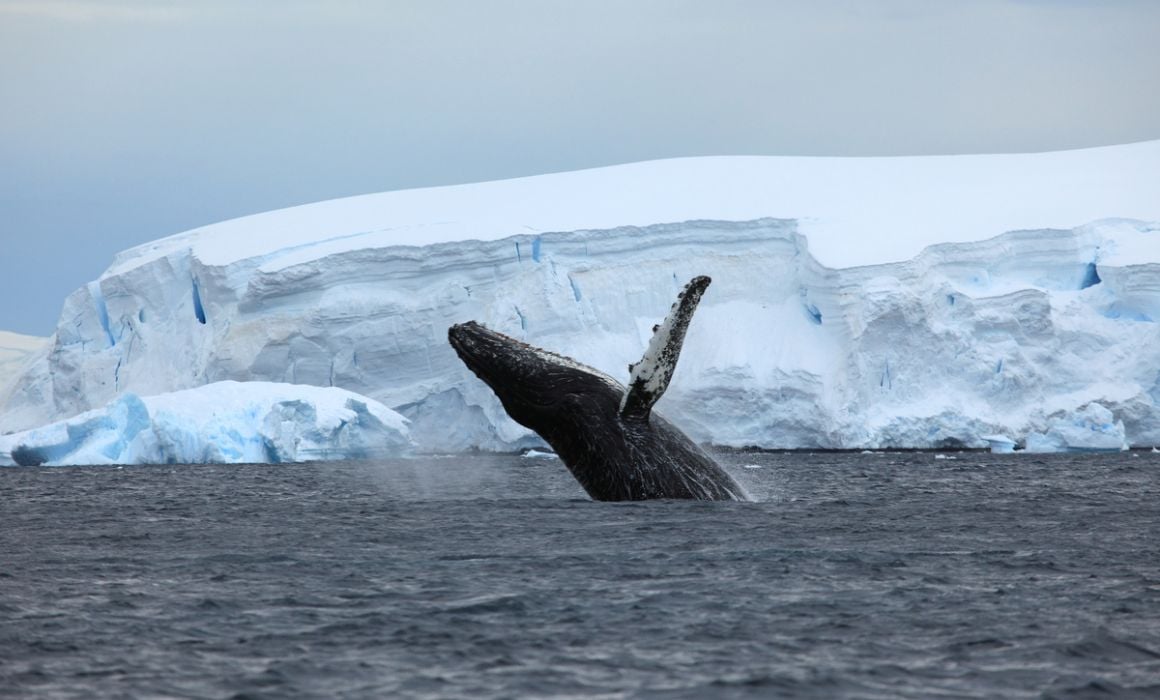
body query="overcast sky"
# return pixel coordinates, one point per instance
(125, 121)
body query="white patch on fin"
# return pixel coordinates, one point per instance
(649, 378)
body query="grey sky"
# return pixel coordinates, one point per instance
(125, 121)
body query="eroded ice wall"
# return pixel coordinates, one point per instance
(962, 341)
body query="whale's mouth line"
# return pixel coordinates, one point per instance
(455, 337)
(465, 341)
(473, 330)
(472, 342)
(472, 339)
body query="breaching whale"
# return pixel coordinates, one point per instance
(609, 437)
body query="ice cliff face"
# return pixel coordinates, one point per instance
(1006, 335)
(964, 340)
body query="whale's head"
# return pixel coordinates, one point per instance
(539, 389)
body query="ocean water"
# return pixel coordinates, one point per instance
(851, 576)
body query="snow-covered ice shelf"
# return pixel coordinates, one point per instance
(857, 303)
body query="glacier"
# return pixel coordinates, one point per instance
(224, 422)
(857, 303)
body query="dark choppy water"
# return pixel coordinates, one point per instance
(860, 576)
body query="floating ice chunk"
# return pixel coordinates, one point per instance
(539, 454)
(1000, 444)
(1092, 428)
(225, 422)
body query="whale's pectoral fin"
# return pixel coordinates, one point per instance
(650, 377)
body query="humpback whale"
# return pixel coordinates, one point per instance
(608, 436)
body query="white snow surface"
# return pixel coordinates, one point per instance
(855, 211)
(939, 299)
(224, 422)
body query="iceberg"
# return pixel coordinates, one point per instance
(224, 422)
(857, 303)
(1000, 444)
(1092, 428)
